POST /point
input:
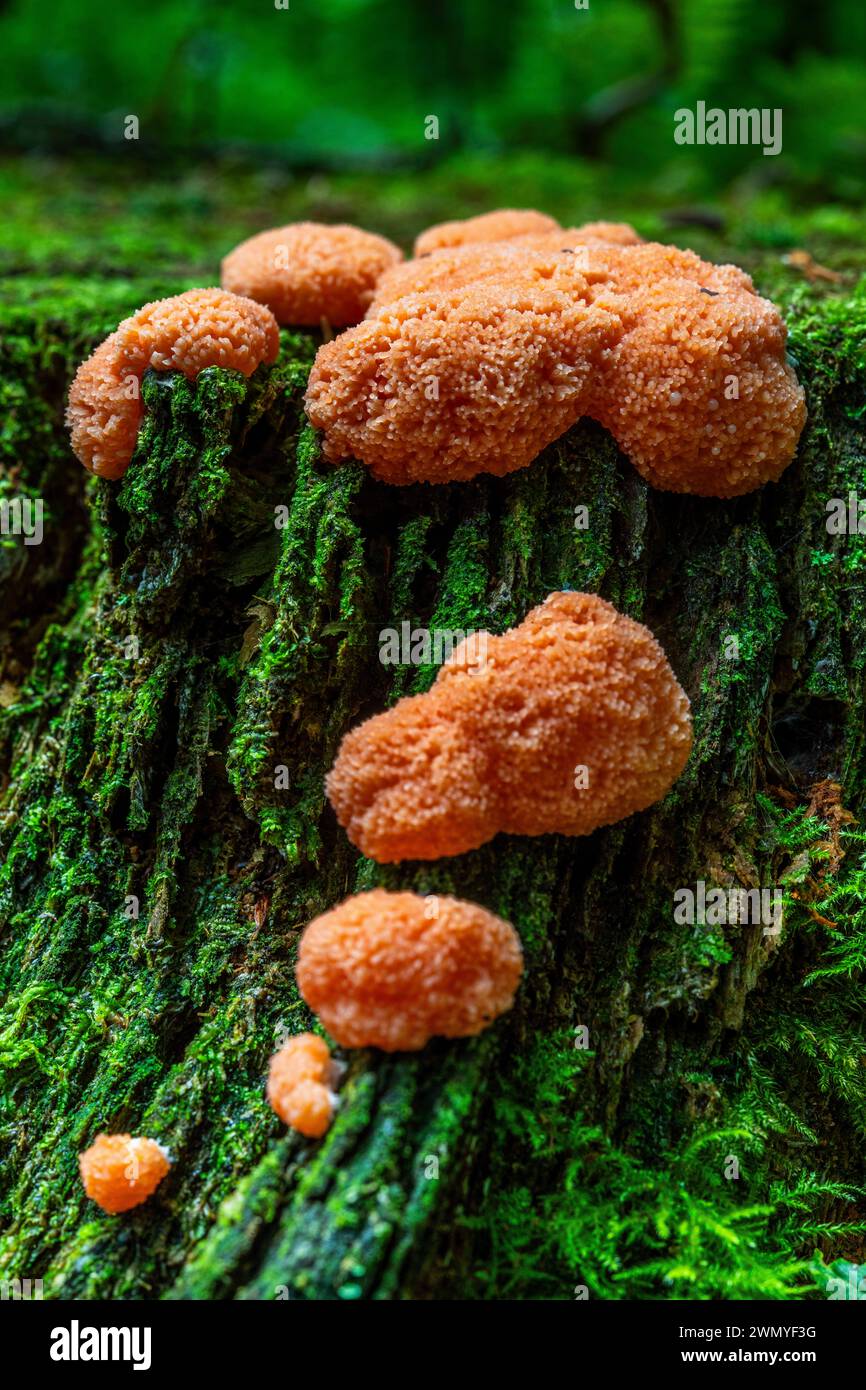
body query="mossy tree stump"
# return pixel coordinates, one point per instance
(171, 649)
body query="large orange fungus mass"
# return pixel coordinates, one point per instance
(392, 970)
(574, 720)
(477, 355)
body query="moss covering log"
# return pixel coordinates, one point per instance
(183, 668)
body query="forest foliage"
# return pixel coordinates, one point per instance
(353, 82)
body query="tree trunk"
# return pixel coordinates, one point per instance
(169, 649)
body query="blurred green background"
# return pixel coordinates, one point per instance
(349, 83)
(250, 115)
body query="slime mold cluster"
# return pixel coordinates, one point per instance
(120, 1172)
(477, 355)
(493, 340)
(577, 684)
(186, 333)
(301, 1084)
(307, 272)
(392, 970)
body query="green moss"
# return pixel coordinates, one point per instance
(514, 1164)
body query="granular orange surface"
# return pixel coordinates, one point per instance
(698, 391)
(473, 378)
(186, 333)
(391, 970)
(499, 748)
(307, 271)
(120, 1172)
(469, 262)
(490, 226)
(473, 358)
(300, 1084)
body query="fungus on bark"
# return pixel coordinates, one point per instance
(474, 358)
(301, 1084)
(186, 333)
(120, 1172)
(307, 271)
(574, 720)
(392, 970)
